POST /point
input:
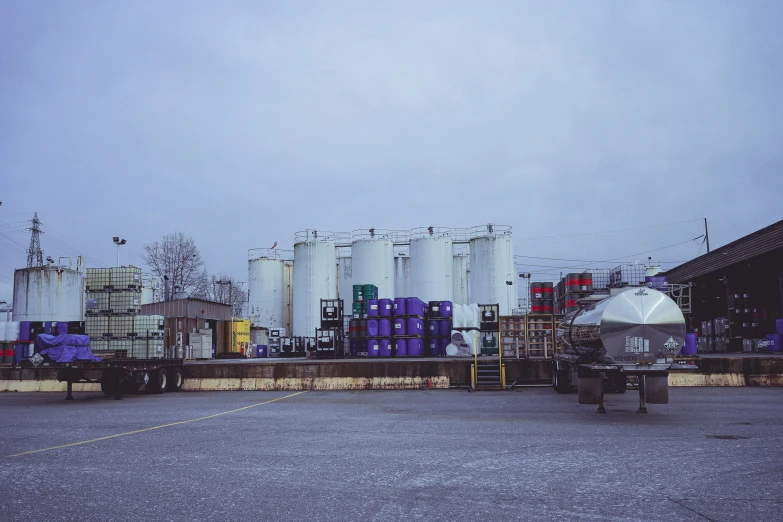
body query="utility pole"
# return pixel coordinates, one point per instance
(707, 235)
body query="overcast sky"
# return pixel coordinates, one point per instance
(241, 123)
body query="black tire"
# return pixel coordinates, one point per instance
(560, 379)
(617, 383)
(128, 386)
(175, 379)
(158, 381)
(109, 384)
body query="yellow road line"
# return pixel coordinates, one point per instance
(152, 428)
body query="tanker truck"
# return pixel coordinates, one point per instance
(636, 332)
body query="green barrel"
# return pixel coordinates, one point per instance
(359, 310)
(370, 292)
(358, 293)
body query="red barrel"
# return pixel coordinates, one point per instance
(547, 306)
(573, 283)
(536, 306)
(571, 303)
(586, 281)
(536, 290)
(548, 289)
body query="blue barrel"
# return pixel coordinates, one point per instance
(353, 347)
(385, 348)
(372, 348)
(24, 335)
(433, 328)
(62, 328)
(444, 328)
(400, 326)
(415, 306)
(401, 347)
(372, 327)
(399, 306)
(372, 308)
(260, 350)
(49, 327)
(432, 347)
(691, 344)
(779, 326)
(384, 327)
(443, 342)
(415, 327)
(415, 347)
(773, 342)
(445, 308)
(385, 307)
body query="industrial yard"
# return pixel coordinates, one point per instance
(527, 454)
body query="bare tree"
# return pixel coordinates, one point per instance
(217, 288)
(177, 257)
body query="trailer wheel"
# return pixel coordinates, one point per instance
(108, 384)
(158, 381)
(560, 379)
(176, 379)
(617, 383)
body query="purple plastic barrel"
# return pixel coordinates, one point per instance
(49, 327)
(442, 344)
(415, 327)
(773, 342)
(372, 327)
(399, 306)
(372, 308)
(400, 326)
(372, 348)
(779, 326)
(445, 308)
(401, 347)
(444, 328)
(384, 327)
(691, 344)
(24, 335)
(385, 307)
(385, 348)
(433, 328)
(415, 306)
(414, 347)
(260, 350)
(432, 347)
(353, 347)
(62, 328)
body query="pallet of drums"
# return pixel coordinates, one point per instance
(17, 338)
(400, 327)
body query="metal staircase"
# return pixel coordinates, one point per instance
(488, 374)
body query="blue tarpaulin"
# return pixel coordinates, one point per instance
(65, 348)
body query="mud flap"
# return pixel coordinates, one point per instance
(589, 386)
(657, 389)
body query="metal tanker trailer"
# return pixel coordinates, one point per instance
(635, 332)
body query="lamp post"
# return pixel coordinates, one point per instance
(119, 242)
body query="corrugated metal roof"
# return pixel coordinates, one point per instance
(760, 242)
(195, 308)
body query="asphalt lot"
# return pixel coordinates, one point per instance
(393, 455)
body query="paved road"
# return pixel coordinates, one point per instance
(712, 454)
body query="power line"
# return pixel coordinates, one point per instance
(611, 231)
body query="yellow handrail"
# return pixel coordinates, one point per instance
(503, 376)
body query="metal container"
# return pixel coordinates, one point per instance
(402, 275)
(48, 293)
(461, 281)
(432, 264)
(586, 282)
(493, 275)
(637, 325)
(573, 283)
(266, 287)
(314, 279)
(373, 260)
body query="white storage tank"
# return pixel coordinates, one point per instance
(315, 278)
(266, 286)
(461, 272)
(372, 253)
(493, 275)
(344, 282)
(11, 331)
(402, 275)
(48, 293)
(432, 264)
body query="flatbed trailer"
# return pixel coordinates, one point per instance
(119, 376)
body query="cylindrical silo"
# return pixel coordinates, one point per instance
(314, 279)
(432, 264)
(372, 254)
(266, 280)
(493, 275)
(402, 275)
(344, 282)
(48, 293)
(461, 272)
